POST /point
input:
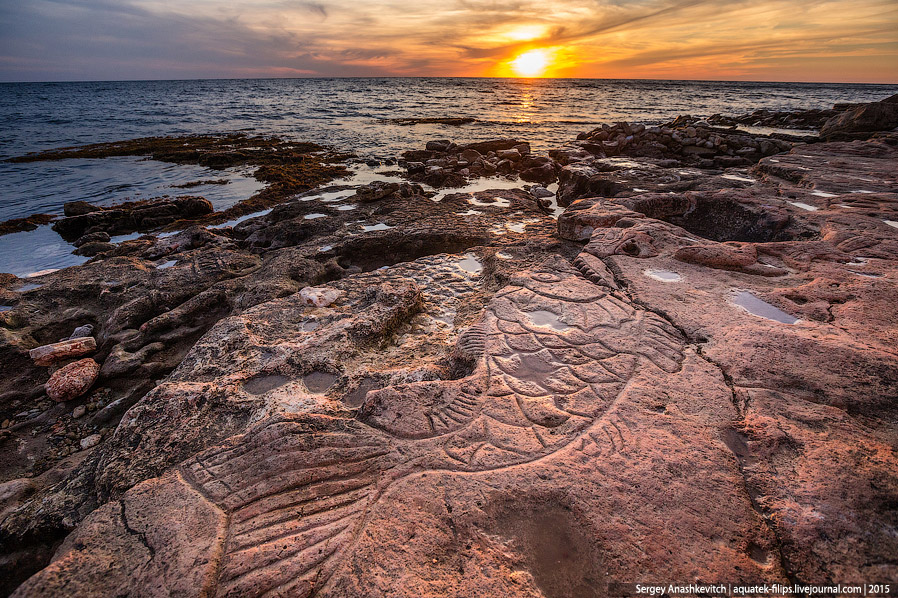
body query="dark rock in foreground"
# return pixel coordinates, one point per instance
(83, 219)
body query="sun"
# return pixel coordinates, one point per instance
(531, 64)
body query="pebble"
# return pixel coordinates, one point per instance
(319, 296)
(79, 411)
(82, 331)
(90, 441)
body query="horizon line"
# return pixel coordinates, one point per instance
(528, 79)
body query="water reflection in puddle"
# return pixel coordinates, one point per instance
(758, 307)
(36, 252)
(319, 382)
(237, 221)
(347, 207)
(128, 237)
(166, 265)
(470, 263)
(262, 384)
(891, 223)
(499, 202)
(546, 318)
(28, 287)
(314, 216)
(663, 275)
(734, 177)
(804, 206)
(374, 227)
(357, 396)
(479, 185)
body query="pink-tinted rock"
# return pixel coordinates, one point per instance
(543, 425)
(584, 216)
(726, 257)
(73, 380)
(68, 349)
(319, 296)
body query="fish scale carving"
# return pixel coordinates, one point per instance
(553, 353)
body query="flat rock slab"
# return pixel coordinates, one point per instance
(693, 383)
(584, 422)
(68, 349)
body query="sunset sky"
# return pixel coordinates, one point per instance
(775, 40)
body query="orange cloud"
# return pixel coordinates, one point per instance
(821, 40)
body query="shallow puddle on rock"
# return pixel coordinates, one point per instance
(357, 396)
(166, 265)
(237, 221)
(823, 194)
(28, 287)
(470, 264)
(498, 202)
(347, 207)
(866, 275)
(123, 238)
(470, 213)
(891, 223)
(555, 547)
(262, 384)
(479, 185)
(325, 248)
(663, 275)
(861, 191)
(374, 227)
(5, 307)
(314, 216)
(362, 174)
(446, 317)
(804, 206)
(735, 177)
(319, 382)
(545, 318)
(310, 326)
(504, 256)
(336, 196)
(758, 307)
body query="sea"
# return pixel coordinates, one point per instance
(354, 115)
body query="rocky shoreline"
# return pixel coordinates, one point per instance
(660, 352)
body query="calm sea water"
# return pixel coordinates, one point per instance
(347, 114)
